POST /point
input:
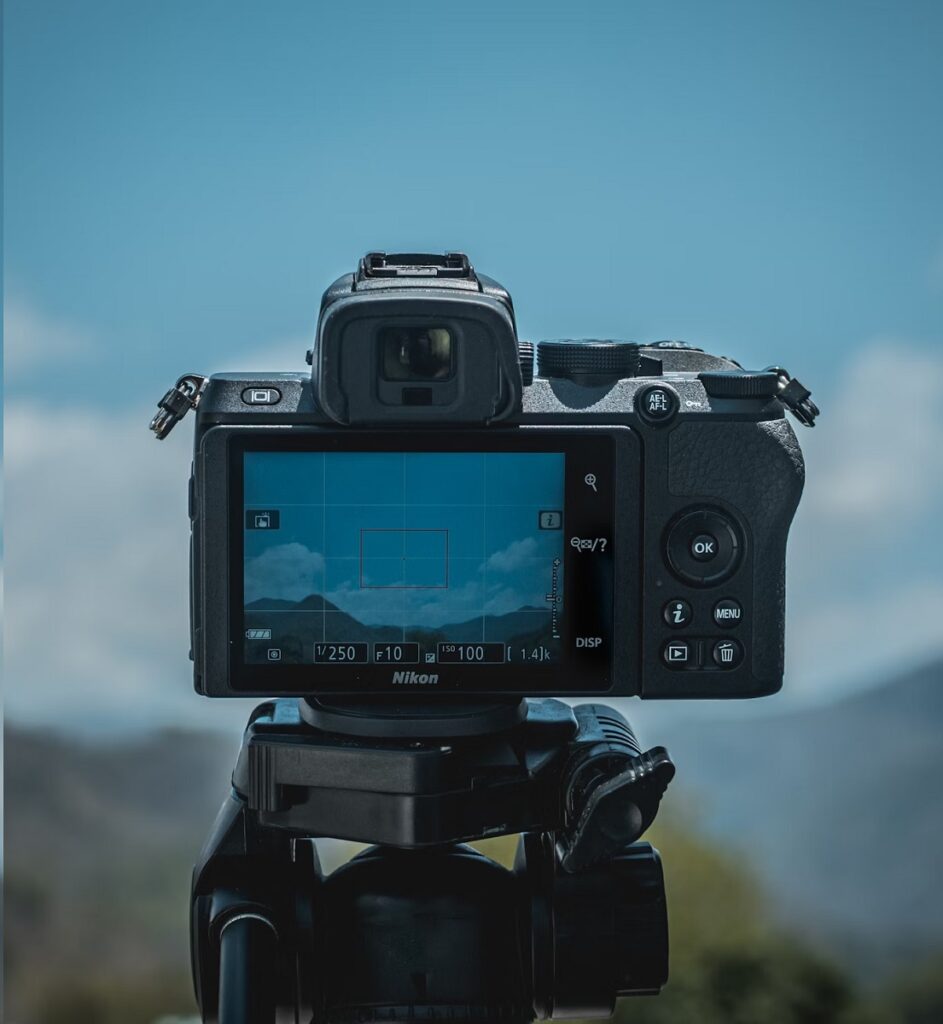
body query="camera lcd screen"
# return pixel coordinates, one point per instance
(406, 558)
(369, 569)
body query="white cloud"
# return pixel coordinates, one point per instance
(515, 556)
(398, 607)
(96, 625)
(877, 451)
(865, 592)
(32, 338)
(504, 600)
(288, 572)
(96, 539)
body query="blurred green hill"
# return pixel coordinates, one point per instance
(790, 844)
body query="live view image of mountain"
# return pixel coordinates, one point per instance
(422, 547)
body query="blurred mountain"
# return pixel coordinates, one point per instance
(99, 845)
(840, 808)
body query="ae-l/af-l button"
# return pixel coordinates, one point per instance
(656, 404)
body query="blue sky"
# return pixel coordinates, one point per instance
(183, 179)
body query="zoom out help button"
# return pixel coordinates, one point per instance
(591, 544)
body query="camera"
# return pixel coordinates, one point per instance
(426, 539)
(439, 508)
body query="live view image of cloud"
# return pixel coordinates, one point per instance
(181, 182)
(421, 547)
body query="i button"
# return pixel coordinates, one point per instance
(677, 613)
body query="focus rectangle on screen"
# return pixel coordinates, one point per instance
(395, 559)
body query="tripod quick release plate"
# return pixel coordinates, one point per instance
(577, 772)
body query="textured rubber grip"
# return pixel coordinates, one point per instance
(758, 469)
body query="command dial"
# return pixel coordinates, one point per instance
(593, 361)
(740, 383)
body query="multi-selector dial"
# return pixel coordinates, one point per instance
(703, 547)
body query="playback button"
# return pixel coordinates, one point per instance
(679, 654)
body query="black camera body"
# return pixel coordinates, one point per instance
(413, 539)
(430, 514)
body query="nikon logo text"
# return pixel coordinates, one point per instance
(414, 679)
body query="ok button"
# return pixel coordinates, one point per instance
(703, 547)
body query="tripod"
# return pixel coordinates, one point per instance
(420, 926)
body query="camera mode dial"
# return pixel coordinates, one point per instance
(591, 361)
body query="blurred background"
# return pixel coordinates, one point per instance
(764, 180)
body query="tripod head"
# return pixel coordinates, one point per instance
(421, 925)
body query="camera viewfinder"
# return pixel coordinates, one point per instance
(416, 353)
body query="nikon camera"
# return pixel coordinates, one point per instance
(440, 510)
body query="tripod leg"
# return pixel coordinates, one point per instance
(247, 971)
(253, 890)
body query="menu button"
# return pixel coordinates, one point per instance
(727, 613)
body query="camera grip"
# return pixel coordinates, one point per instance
(758, 469)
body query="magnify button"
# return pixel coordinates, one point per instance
(590, 481)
